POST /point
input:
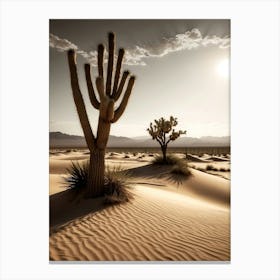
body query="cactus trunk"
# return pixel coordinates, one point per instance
(95, 182)
(108, 114)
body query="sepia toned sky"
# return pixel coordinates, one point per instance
(181, 69)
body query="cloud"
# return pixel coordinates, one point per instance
(61, 44)
(138, 55)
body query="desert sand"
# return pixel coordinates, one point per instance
(170, 218)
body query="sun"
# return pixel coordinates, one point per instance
(223, 68)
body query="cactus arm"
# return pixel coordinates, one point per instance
(118, 70)
(79, 102)
(122, 106)
(100, 60)
(100, 88)
(118, 93)
(91, 92)
(110, 63)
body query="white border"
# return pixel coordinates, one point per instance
(255, 138)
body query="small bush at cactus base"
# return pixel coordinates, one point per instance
(116, 182)
(78, 175)
(170, 160)
(116, 186)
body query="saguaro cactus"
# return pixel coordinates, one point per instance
(163, 132)
(108, 95)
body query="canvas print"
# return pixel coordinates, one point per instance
(139, 137)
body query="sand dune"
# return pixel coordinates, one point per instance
(170, 218)
(156, 225)
(213, 158)
(192, 158)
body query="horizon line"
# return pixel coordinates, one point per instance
(139, 135)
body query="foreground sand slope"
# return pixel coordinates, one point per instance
(156, 225)
(170, 218)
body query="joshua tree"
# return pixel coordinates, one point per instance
(108, 96)
(163, 132)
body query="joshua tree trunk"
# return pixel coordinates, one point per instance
(163, 149)
(109, 93)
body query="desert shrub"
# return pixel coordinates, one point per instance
(201, 169)
(116, 186)
(116, 182)
(181, 168)
(135, 154)
(222, 169)
(126, 156)
(170, 160)
(210, 167)
(151, 155)
(78, 175)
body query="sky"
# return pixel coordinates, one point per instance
(181, 69)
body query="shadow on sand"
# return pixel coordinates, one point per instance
(69, 205)
(158, 173)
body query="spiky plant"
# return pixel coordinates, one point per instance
(109, 91)
(168, 160)
(116, 189)
(181, 168)
(78, 174)
(163, 132)
(116, 185)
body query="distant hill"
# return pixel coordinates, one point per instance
(60, 140)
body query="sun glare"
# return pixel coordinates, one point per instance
(223, 68)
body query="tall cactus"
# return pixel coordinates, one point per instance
(163, 132)
(108, 95)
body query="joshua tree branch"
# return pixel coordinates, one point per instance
(122, 106)
(79, 102)
(91, 92)
(160, 141)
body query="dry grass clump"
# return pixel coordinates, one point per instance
(224, 169)
(78, 174)
(170, 160)
(210, 167)
(181, 168)
(116, 185)
(116, 182)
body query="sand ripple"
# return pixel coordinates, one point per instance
(158, 225)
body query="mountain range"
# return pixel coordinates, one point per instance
(60, 140)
